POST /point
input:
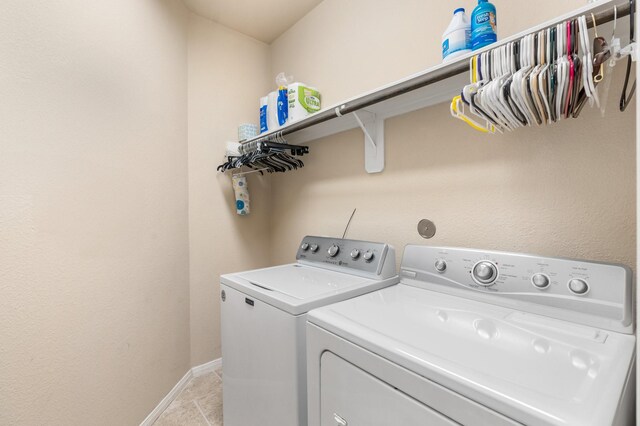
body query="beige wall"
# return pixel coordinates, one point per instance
(566, 190)
(94, 296)
(349, 47)
(227, 73)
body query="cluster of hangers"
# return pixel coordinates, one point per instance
(272, 156)
(542, 78)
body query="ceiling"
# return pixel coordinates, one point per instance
(264, 20)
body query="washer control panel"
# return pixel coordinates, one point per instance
(552, 286)
(347, 255)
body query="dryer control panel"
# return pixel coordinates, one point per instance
(375, 260)
(593, 293)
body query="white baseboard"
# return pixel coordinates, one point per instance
(196, 371)
(167, 400)
(207, 367)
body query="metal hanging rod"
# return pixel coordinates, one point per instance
(431, 77)
(265, 169)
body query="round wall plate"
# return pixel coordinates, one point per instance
(426, 228)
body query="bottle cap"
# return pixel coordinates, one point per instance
(460, 9)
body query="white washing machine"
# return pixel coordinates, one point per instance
(264, 314)
(475, 337)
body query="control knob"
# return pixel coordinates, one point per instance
(541, 281)
(304, 246)
(314, 248)
(578, 286)
(355, 253)
(333, 250)
(485, 272)
(368, 255)
(441, 265)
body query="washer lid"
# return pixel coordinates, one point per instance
(296, 288)
(533, 369)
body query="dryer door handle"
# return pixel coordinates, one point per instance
(339, 420)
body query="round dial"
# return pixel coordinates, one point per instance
(541, 281)
(314, 248)
(578, 286)
(368, 255)
(333, 250)
(304, 246)
(441, 265)
(355, 253)
(485, 272)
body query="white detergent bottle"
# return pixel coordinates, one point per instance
(456, 40)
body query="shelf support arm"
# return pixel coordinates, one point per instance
(373, 128)
(367, 136)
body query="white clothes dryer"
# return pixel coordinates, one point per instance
(476, 337)
(264, 313)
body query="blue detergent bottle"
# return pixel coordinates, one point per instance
(484, 25)
(283, 106)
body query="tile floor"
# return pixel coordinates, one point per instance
(199, 404)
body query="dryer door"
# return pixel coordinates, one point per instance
(351, 397)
